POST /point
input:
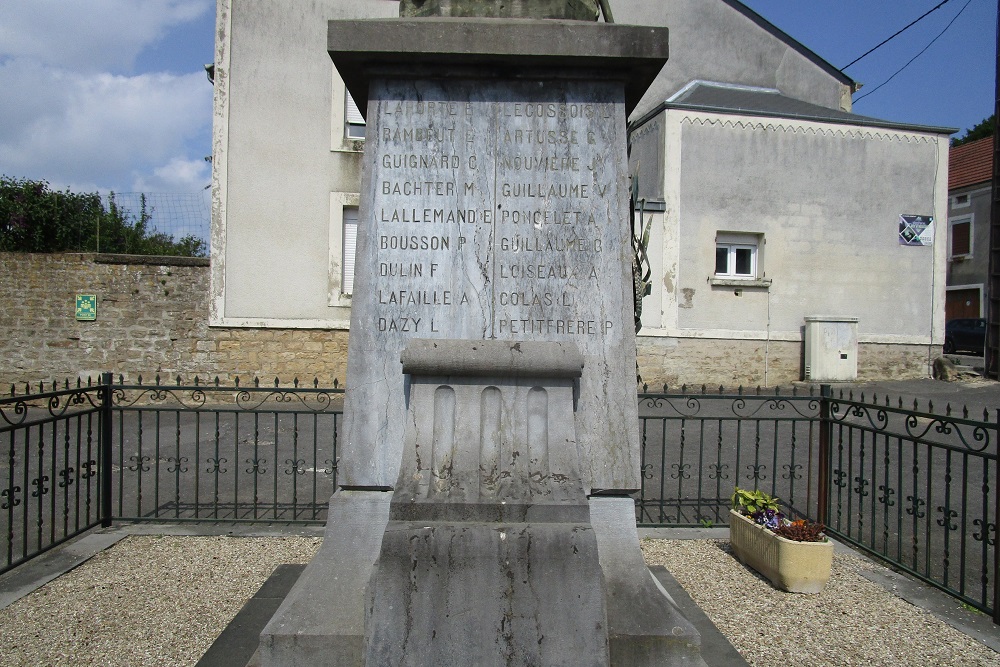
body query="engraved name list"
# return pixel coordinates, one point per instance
(490, 218)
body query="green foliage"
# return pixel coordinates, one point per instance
(969, 607)
(748, 502)
(34, 218)
(979, 131)
(642, 284)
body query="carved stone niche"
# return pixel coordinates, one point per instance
(490, 424)
(576, 10)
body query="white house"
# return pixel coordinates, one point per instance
(774, 209)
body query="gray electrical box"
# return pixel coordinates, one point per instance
(831, 353)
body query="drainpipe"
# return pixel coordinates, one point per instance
(767, 335)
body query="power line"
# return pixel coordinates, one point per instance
(916, 56)
(886, 41)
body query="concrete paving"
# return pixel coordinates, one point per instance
(236, 646)
(972, 622)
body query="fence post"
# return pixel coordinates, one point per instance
(106, 436)
(996, 521)
(823, 483)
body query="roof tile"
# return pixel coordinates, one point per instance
(970, 163)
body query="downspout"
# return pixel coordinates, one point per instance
(930, 341)
(767, 337)
(934, 261)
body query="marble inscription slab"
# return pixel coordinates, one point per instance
(493, 211)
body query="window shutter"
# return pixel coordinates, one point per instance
(350, 244)
(354, 116)
(960, 241)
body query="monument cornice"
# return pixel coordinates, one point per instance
(517, 48)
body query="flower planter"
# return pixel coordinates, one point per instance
(797, 567)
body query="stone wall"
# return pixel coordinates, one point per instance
(731, 363)
(152, 318)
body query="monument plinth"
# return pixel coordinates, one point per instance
(490, 437)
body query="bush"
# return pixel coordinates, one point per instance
(34, 218)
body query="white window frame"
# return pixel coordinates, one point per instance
(340, 126)
(734, 242)
(959, 220)
(955, 203)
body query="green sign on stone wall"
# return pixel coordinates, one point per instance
(86, 307)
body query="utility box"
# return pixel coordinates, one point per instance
(831, 353)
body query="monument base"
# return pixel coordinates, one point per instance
(322, 620)
(488, 552)
(645, 627)
(488, 594)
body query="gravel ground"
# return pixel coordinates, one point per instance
(157, 601)
(852, 622)
(162, 601)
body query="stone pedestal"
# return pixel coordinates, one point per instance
(489, 557)
(491, 365)
(322, 619)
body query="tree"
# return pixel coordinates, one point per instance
(34, 218)
(979, 131)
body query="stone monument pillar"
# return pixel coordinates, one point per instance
(490, 438)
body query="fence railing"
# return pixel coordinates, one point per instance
(208, 452)
(53, 469)
(915, 488)
(696, 447)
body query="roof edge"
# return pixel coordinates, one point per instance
(862, 121)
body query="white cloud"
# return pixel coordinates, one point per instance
(89, 35)
(98, 130)
(177, 175)
(74, 112)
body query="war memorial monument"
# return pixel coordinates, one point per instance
(490, 441)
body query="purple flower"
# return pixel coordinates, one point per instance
(768, 518)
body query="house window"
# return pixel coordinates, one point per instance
(355, 121)
(736, 260)
(960, 201)
(961, 237)
(350, 244)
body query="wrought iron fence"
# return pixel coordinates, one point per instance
(208, 452)
(698, 446)
(917, 489)
(77, 457)
(53, 481)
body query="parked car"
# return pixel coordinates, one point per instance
(966, 334)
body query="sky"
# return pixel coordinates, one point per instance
(950, 85)
(99, 95)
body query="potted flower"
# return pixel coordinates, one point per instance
(794, 555)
